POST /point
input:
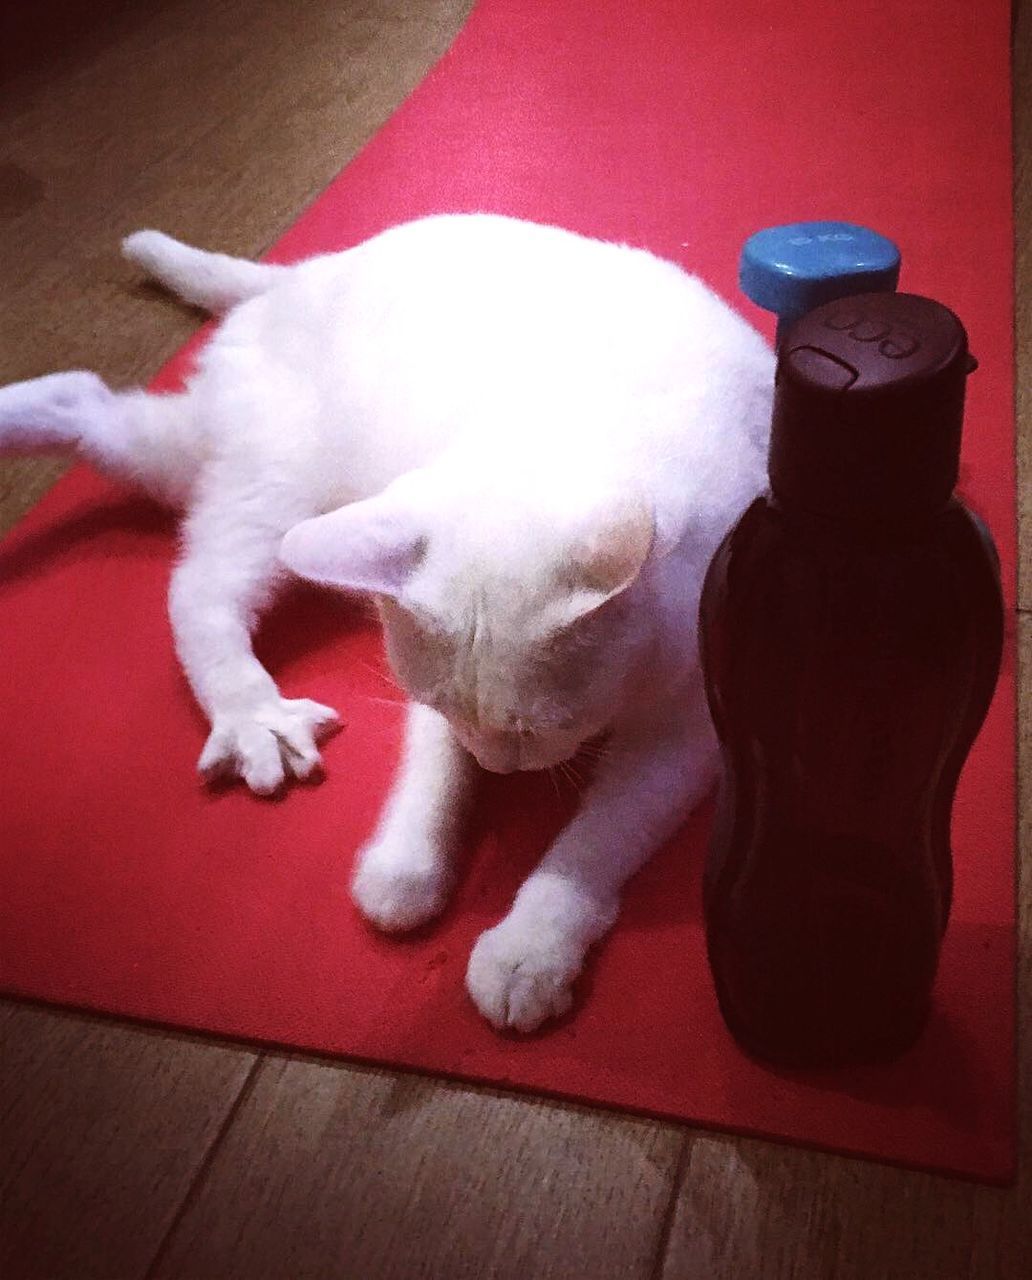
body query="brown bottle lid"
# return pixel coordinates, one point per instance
(868, 407)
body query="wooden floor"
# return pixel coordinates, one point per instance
(130, 1153)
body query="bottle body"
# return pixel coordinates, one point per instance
(848, 671)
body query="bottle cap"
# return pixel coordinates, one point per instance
(868, 408)
(792, 269)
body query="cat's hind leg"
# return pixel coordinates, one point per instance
(146, 439)
(227, 576)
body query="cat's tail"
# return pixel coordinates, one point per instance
(214, 281)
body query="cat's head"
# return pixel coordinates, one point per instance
(512, 615)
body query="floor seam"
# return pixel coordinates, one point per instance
(201, 1174)
(666, 1226)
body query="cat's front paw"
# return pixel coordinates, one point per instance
(268, 744)
(519, 975)
(397, 887)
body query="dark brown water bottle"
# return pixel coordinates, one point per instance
(851, 627)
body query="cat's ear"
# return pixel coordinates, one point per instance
(609, 555)
(375, 545)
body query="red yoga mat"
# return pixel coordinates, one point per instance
(127, 888)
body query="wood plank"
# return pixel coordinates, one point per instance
(104, 1129)
(752, 1209)
(334, 1171)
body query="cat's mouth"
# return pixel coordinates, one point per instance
(538, 756)
(520, 762)
(515, 753)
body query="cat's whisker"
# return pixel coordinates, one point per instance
(571, 776)
(567, 769)
(555, 782)
(383, 676)
(383, 731)
(383, 702)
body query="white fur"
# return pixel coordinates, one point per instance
(526, 445)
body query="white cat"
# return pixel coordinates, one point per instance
(526, 445)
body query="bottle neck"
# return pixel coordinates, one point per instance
(874, 528)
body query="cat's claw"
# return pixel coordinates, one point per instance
(268, 744)
(396, 893)
(519, 978)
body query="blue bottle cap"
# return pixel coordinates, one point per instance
(792, 269)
